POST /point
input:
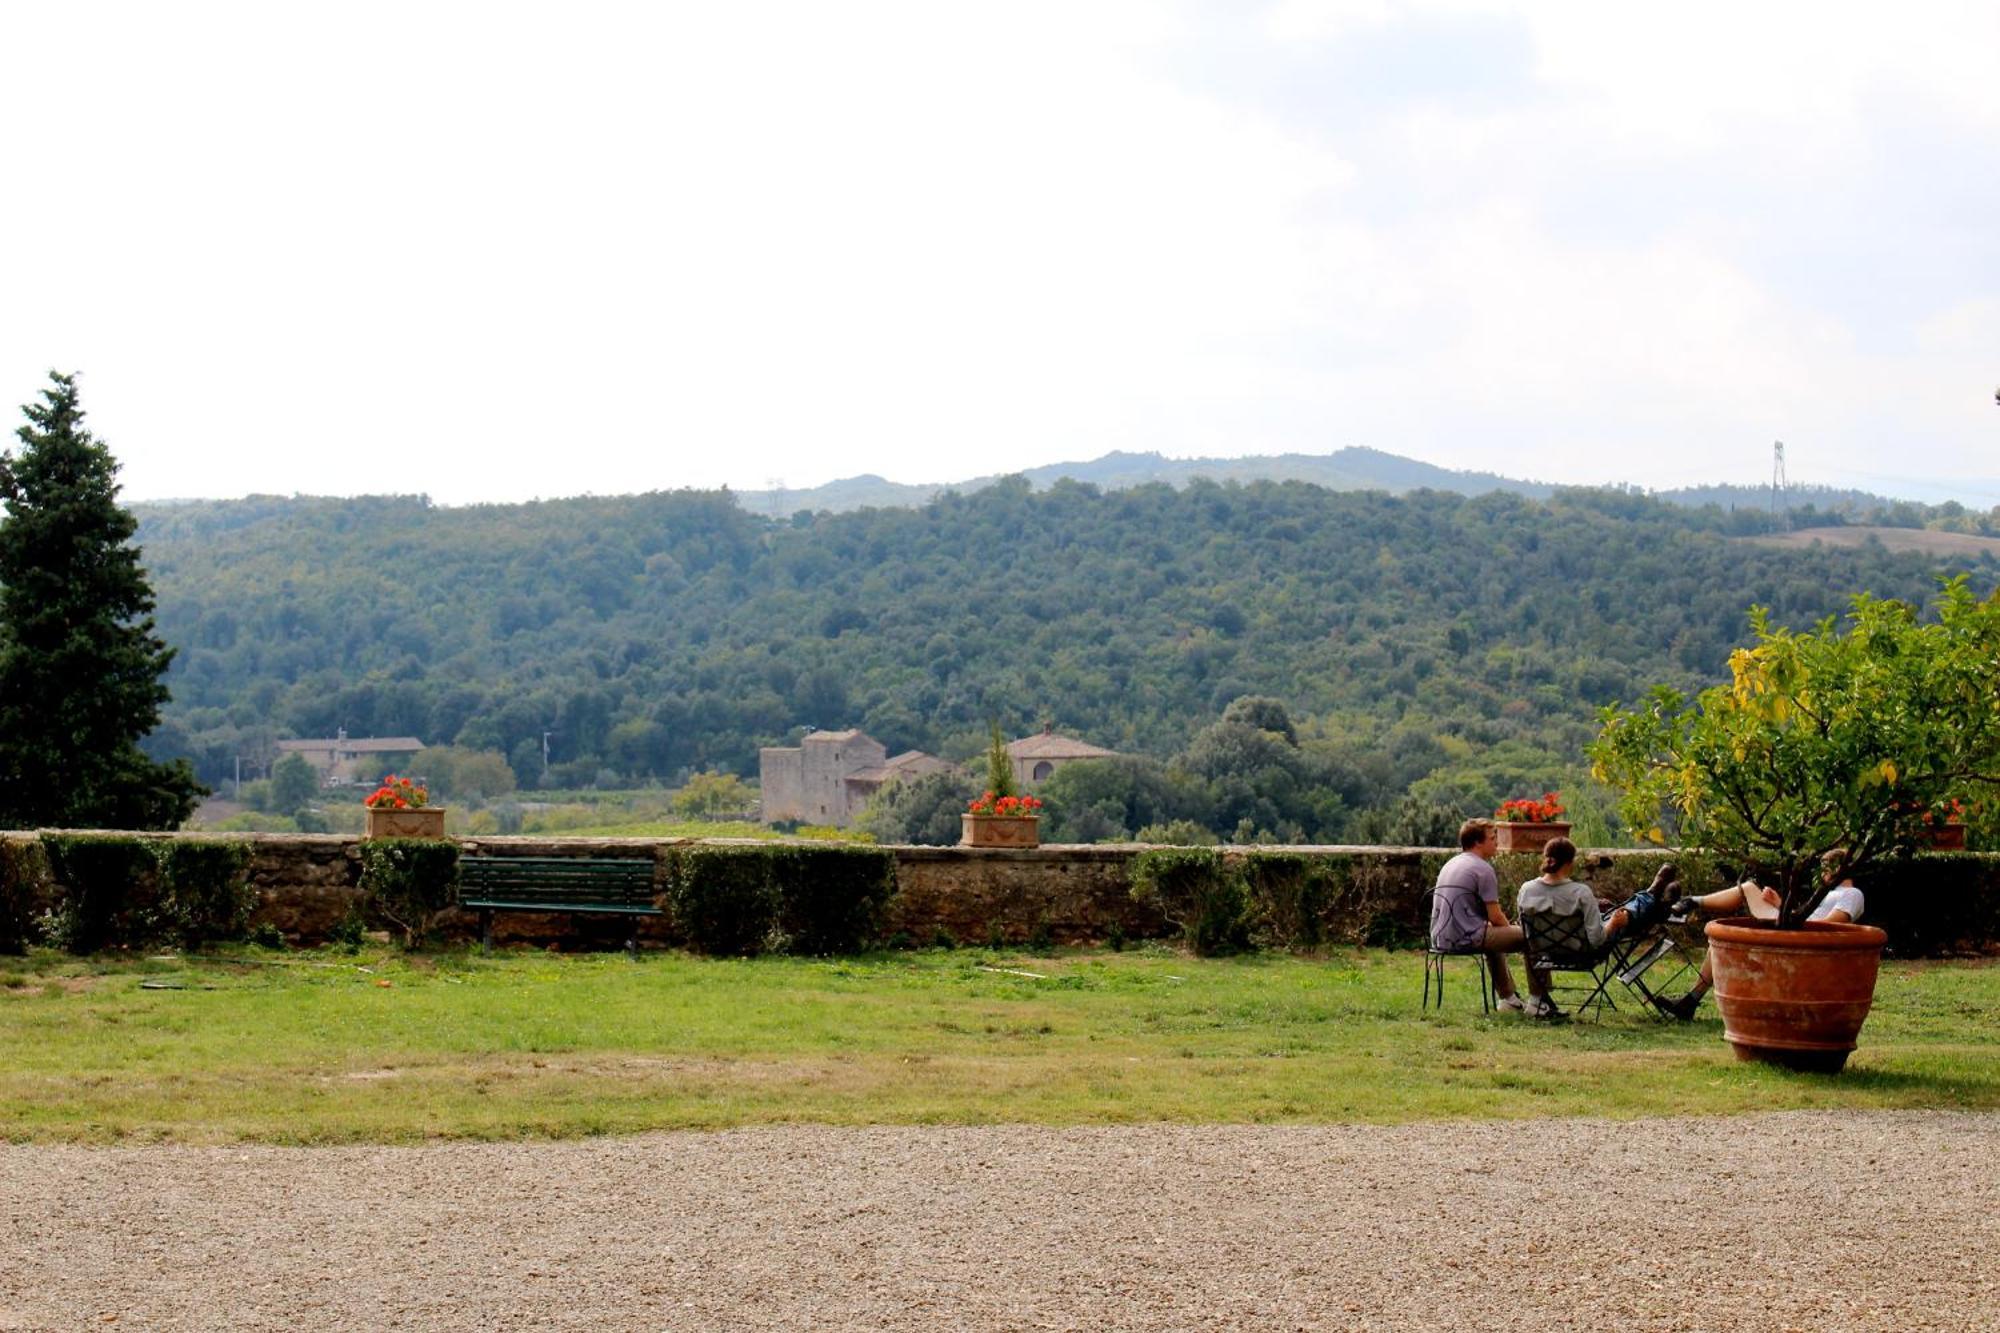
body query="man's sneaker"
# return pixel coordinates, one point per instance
(1683, 1008)
(1541, 1006)
(1510, 1004)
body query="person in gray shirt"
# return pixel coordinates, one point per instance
(1466, 916)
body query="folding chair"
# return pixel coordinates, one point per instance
(1558, 942)
(1434, 960)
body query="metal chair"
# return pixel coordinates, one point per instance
(1434, 961)
(1558, 942)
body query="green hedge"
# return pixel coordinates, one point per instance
(107, 894)
(205, 892)
(778, 897)
(27, 893)
(408, 881)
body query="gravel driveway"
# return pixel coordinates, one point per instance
(1806, 1221)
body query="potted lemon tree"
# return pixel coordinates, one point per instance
(1853, 737)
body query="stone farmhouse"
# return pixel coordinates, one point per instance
(342, 760)
(830, 775)
(827, 777)
(1039, 756)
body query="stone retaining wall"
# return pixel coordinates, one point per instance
(1939, 903)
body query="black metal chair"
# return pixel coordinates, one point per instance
(1558, 942)
(1434, 961)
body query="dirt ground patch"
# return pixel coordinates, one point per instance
(1881, 1220)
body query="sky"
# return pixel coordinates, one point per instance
(501, 251)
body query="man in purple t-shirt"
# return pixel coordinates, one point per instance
(1466, 917)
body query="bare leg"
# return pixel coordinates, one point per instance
(1501, 941)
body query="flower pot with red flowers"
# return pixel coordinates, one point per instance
(1001, 821)
(1944, 830)
(1528, 824)
(999, 816)
(400, 808)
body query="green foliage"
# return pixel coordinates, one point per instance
(205, 893)
(1844, 736)
(1413, 639)
(999, 765)
(713, 793)
(26, 892)
(108, 892)
(724, 900)
(1178, 833)
(408, 881)
(80, 666)
(466, 774)
(1198, 891)
(294, 784)
(809, 900)
(924, 811)
(1289, 896)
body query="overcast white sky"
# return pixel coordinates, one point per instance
(497, 251)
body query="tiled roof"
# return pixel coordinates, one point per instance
(357, 744)
(908, 764)
(1048, 745)
(821, 737)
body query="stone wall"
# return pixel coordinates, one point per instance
(308, 885)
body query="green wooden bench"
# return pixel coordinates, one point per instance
(562, 884)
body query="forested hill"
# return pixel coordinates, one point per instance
(1423, 636)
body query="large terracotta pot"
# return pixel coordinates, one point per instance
(1517, 836)
(998, 831)
(426, 821)
(1794, 997)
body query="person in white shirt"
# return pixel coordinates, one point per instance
(1843, 902)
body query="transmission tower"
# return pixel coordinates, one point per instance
(1777, 476)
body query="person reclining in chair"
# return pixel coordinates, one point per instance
(1843, 902)
(1559, 895)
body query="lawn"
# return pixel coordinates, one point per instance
(382, 1047)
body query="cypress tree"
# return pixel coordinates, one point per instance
(80, 667)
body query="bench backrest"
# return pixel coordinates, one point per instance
(555, 879)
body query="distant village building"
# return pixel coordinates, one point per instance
(1037, 757)
(342, 760)
(828, 777)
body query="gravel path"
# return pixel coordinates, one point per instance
(1806, 1221)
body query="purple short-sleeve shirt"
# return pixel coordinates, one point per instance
(1458, 912)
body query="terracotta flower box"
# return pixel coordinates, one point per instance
(1947, 837)
(999, 831)
(424, 821)
(1522, 836)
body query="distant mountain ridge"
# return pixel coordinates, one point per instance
(1356, 468)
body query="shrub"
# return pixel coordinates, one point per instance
(408, 881)
(205, 891)
(1289, 896)
(108, 891)
(724, 899)
(25, 892)
(1200, 892)
(830, 899)
(810, 900)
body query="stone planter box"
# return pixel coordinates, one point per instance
(999, 831)
(1516, 836)
(423, 822)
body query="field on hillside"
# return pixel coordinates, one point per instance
(1919, 541)
(385, 1047)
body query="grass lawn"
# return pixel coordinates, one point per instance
(379, 1047)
